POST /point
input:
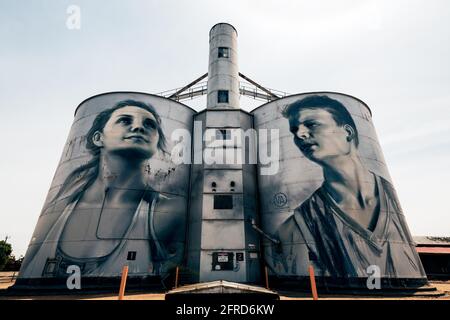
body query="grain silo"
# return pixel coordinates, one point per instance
(300, 181)
(116, 198)
(332, 204)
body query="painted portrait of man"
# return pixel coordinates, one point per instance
(354, 219)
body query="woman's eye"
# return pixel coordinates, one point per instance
(149, 124)
(124, 121)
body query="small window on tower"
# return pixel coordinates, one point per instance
(222, 96)
(224, 52)
(223, 134)
(223, 202)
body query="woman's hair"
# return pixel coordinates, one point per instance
(88, 172)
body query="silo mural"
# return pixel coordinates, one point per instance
(332, 205)
(312, 189)
(117, 198)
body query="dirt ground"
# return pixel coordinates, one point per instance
(443, 287)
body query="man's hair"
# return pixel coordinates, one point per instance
(334, 107)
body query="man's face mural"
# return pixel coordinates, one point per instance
(318, 136)
(130, 131)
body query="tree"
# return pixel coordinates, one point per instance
(13, 264)
(5, 252)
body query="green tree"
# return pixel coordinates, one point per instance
(5, 252)
(13, 264)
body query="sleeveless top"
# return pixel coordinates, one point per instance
(139, 248)
(322, 234)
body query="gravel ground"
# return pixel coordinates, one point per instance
(5, 282)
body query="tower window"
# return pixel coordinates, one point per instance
(222, 96)
(223, 202)
(223, 134)
(224, 52)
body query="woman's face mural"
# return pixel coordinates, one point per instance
(130, 131)
(123, 201)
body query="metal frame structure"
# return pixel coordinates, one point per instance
(197, 88)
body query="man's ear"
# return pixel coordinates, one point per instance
(97, 139)
(350, 132)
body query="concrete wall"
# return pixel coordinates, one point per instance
(223, 230)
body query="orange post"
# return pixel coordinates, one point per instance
(266, 274)
(177, 270)
(313, 283)
(123, 282)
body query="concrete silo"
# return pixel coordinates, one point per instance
(116, 198)
(120, 196)
(332, 204)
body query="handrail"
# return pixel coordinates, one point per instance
(201, 88)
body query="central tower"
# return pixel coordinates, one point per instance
(223, 72)
(222, 245)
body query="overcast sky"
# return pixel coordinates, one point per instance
(394, 55)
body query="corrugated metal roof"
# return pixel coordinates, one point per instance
(221, 286)
(432, 241)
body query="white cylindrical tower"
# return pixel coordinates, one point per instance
(222, 245)
(223, 73)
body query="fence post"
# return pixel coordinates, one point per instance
(313, 283)
(266, 275)
(123, 282)
(177, 270)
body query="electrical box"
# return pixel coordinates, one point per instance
(222, 261)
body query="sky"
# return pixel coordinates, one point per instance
(393, 55)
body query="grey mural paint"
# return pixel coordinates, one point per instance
(117, 198)
(121, 192)
(343, 214)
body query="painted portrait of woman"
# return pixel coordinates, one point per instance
(108, 214)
